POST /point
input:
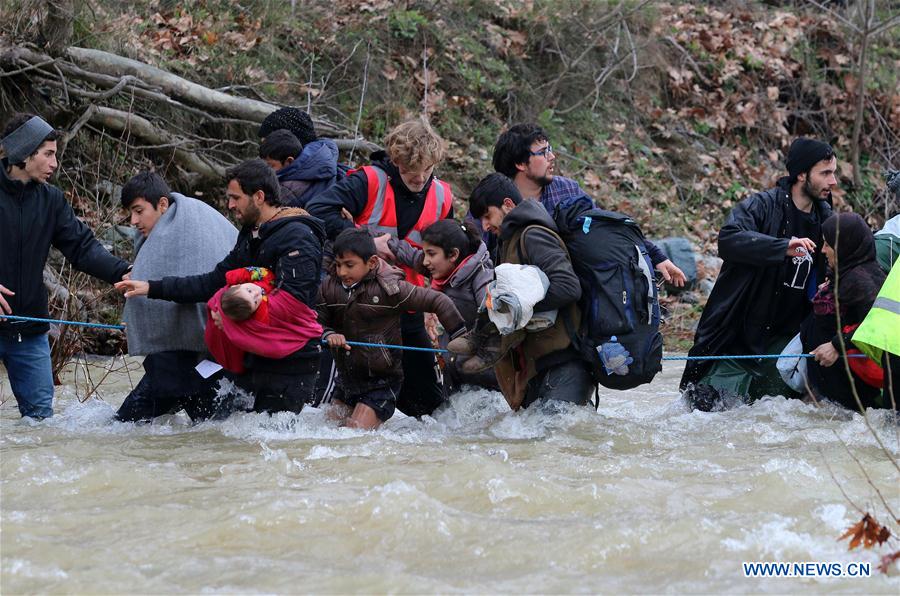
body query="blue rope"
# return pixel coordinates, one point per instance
(61, 322)
(750, 356)
(363, 344)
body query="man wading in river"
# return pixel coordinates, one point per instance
(34, 216)
(772, 265)
(181, 236)
(286, 240)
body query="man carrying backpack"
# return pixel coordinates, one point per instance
(545, 365)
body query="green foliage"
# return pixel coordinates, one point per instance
(405, 24)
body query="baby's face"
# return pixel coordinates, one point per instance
(252, 293)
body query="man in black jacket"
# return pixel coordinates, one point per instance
(772, 266)
(283, 239)
(34, 216)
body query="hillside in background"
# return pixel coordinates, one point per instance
(668, 111)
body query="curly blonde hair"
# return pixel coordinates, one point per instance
(414, 144)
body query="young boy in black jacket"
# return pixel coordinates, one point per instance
(34, 215)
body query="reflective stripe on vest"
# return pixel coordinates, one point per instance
(880, 330)
(380, 213)
(887, 304)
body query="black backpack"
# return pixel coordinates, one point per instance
(618, 289)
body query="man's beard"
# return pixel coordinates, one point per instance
(542, 181)
(250, 217)
(809, 191)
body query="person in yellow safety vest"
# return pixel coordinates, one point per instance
(397, 196)
(879, 336)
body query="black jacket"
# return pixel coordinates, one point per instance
(290, 245)
(352, 194)
(742, 306)
(34, 217)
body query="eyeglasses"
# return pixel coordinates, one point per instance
(543, 152)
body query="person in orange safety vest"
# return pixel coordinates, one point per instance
(397, 196)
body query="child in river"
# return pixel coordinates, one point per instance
(362, 300)
(256, 318)
(456, 260)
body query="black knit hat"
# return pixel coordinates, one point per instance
(293, 119)
(804, 154)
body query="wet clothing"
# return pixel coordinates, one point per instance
(528, 236)
(422, 392)
(189, 238)
(742, 313)
(728, 383)
(370, 312)
(285, 385)
(27, 362)
(170, 384)
(33, 218)
(854, 289)
(310, 174)
(382, 400)
(290, 244)
(568, 382)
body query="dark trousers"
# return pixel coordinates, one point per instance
(421, 392)
(567, 382)
(170, 384)
(285, 385)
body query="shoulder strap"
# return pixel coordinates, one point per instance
(523, 253)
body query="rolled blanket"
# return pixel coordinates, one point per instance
(512, 295)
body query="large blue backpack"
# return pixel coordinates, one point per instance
(618, 291)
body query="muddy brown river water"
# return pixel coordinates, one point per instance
(639, 496)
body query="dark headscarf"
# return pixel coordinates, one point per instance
(852, 239)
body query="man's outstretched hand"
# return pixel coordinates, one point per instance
(671, 273)
(133, 287)
(4, 305)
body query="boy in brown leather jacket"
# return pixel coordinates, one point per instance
(362, 300)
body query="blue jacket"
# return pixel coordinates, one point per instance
(314, 170)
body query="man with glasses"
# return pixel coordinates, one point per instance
(524, 154)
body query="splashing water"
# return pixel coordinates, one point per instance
(639, 496)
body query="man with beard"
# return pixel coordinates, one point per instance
(772, 265)
(524, 154)
(283, 239)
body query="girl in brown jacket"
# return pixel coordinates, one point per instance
(362, 300)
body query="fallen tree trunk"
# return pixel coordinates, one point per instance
(113, 72)
(147, 132)
(170, 84)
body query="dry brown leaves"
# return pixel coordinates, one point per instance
(866, 532)
(740, 76)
